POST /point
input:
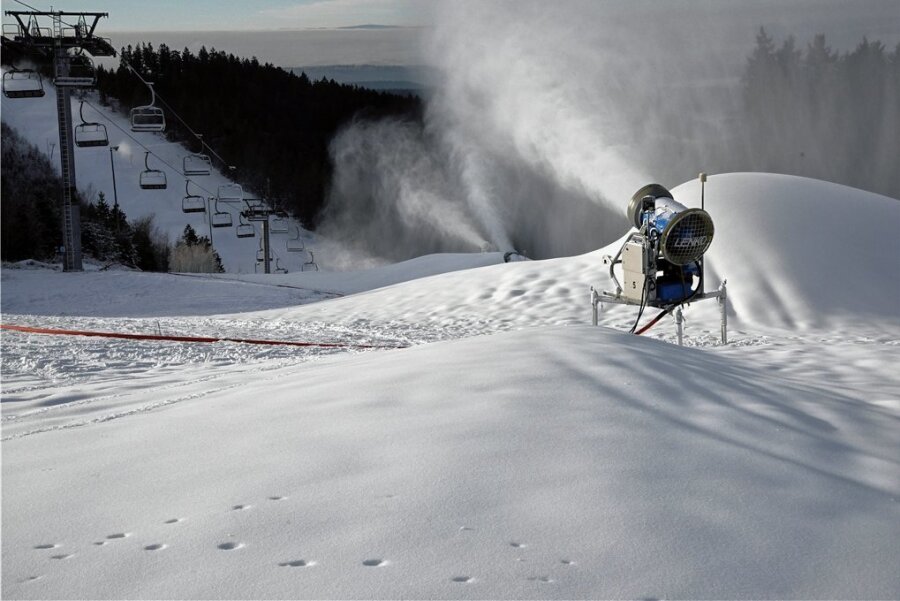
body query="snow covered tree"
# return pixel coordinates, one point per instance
(195, 254)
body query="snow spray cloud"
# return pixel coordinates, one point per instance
(548, 116)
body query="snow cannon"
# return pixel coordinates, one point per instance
(661, 261)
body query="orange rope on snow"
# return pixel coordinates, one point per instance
(206, 339)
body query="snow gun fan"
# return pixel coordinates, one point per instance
(661, 262)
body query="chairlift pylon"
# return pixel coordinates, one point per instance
(295, 244)
(191, 203)
(148, 117)
(89, 134)
(152, 179)
(22, 83)
(197, 164)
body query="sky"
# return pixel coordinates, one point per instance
(212, 15)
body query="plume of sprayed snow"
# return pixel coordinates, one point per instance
(547, 118)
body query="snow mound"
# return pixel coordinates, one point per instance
(799, 254)
(802, 253)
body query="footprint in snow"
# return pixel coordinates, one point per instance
(30, 579)
(241, 507)
(462, 579)
(297, 563)
(230, 546)
(544, 579)
(118, 535)
(277, 498)
(567, 562)
(155, 547)
(174, 520)
(63, 556)
(47, 546)
(375, 563)
(518, 545)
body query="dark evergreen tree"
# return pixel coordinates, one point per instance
(275, 126)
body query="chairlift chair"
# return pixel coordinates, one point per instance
(148, 117)
(197, 164)
(244, 230)
(295, 244)
(230, 192)
(152, 179)
(22, 83)
(75, 71)
(279, 225)
(191, 203)
(310, 265)
(90, 134)
(221, 218)
(278, 267)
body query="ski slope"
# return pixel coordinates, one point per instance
(511, 451)
(35, 119)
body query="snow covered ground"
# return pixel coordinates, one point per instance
(512, 451)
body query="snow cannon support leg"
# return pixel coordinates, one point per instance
(595, 302)
(679, 325)
(723, 311)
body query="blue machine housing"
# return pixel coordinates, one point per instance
(676, 283)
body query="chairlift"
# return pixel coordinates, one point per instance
(295, 244)
(152, 179)
(148, 117)
(278, 267)
(255, 207)
(230, 192)
(192, 203)
(279, 225)
(221, 218)
(22, 83)
(244, 230)
(90, 134)
(197, 164)
(75, 70)
(310, 265)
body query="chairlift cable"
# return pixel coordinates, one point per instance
(139, 143)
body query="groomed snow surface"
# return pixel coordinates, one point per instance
(511, 451)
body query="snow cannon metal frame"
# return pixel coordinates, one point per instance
(662, 261)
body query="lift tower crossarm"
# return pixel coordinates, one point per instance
(83, 33)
